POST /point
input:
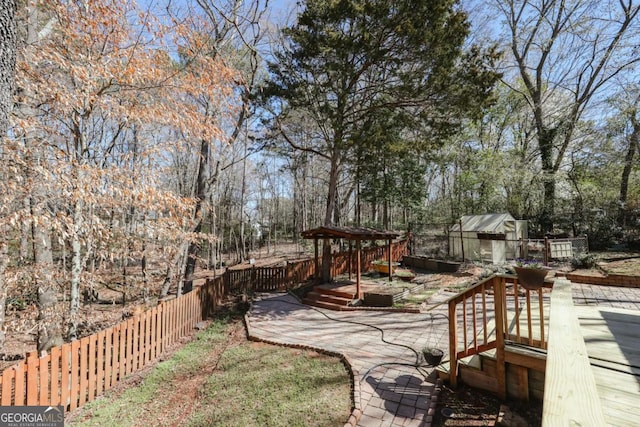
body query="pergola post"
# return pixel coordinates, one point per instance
(315, 259)
(389, 258)
(351, 259)
(358, 293)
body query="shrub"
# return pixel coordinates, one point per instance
(585, 260)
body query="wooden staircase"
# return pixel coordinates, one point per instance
(332, 299)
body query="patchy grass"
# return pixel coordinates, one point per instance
(220, 378)
(415, 299)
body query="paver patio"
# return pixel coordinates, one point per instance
(382, 347)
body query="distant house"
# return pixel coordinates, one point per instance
(490, 238)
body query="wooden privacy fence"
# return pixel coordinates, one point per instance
(76, 373)
(343, 262)
(265, 279)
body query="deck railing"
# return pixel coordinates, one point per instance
(489, 314)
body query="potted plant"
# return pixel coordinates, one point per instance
(433, 356)
(530, 274)
(405, 274)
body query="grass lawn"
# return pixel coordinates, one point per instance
(221, 379)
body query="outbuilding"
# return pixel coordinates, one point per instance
(490, 238)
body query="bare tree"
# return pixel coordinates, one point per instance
(567, 53)
(235, 32)
(629, 104)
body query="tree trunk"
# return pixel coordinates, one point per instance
(328, 216)
(49, 312)
(174, 265)
(4, 260)
(76, 271)
(545, 144)
(7, 61)
(25, 249)
(358, 206)
(199, 194)
(243, 190)
(8, 40)
(634, 141)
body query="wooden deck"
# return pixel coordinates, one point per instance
(612, 338)
(608, 356)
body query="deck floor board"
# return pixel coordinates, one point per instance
(612, 338)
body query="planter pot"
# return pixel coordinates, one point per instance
(405, 275)
(531, 278)
(378, 300)
(433, 356)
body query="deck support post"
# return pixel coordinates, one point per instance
(453, 357)
(499, 304)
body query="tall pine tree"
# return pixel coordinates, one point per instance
(347, 61)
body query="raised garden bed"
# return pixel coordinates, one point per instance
(386, 296)
(382, 267)
(431, 264)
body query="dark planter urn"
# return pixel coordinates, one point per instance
(433, 356)
(531, 278)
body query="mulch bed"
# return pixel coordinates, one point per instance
(467, 406)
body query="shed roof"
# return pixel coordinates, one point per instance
(483, 223)
(352, 233)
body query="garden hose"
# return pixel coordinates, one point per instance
(417, 365)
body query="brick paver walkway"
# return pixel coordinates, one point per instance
(382, 349)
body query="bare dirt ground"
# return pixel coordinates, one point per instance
(177, 404)
(106, 308)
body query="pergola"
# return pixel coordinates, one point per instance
(356, 234)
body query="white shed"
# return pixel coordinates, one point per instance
(491, 237)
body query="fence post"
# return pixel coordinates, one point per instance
(546, 250)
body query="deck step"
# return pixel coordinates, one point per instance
(472, 362)
(471, 372)
(481, 371)
(327, 305)
(330, 298)
(326, 297)
(335, 292)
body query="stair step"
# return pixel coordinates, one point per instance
(480, 370)
(478, 379)
(317, 296)
(334, 292)
(327, 305)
